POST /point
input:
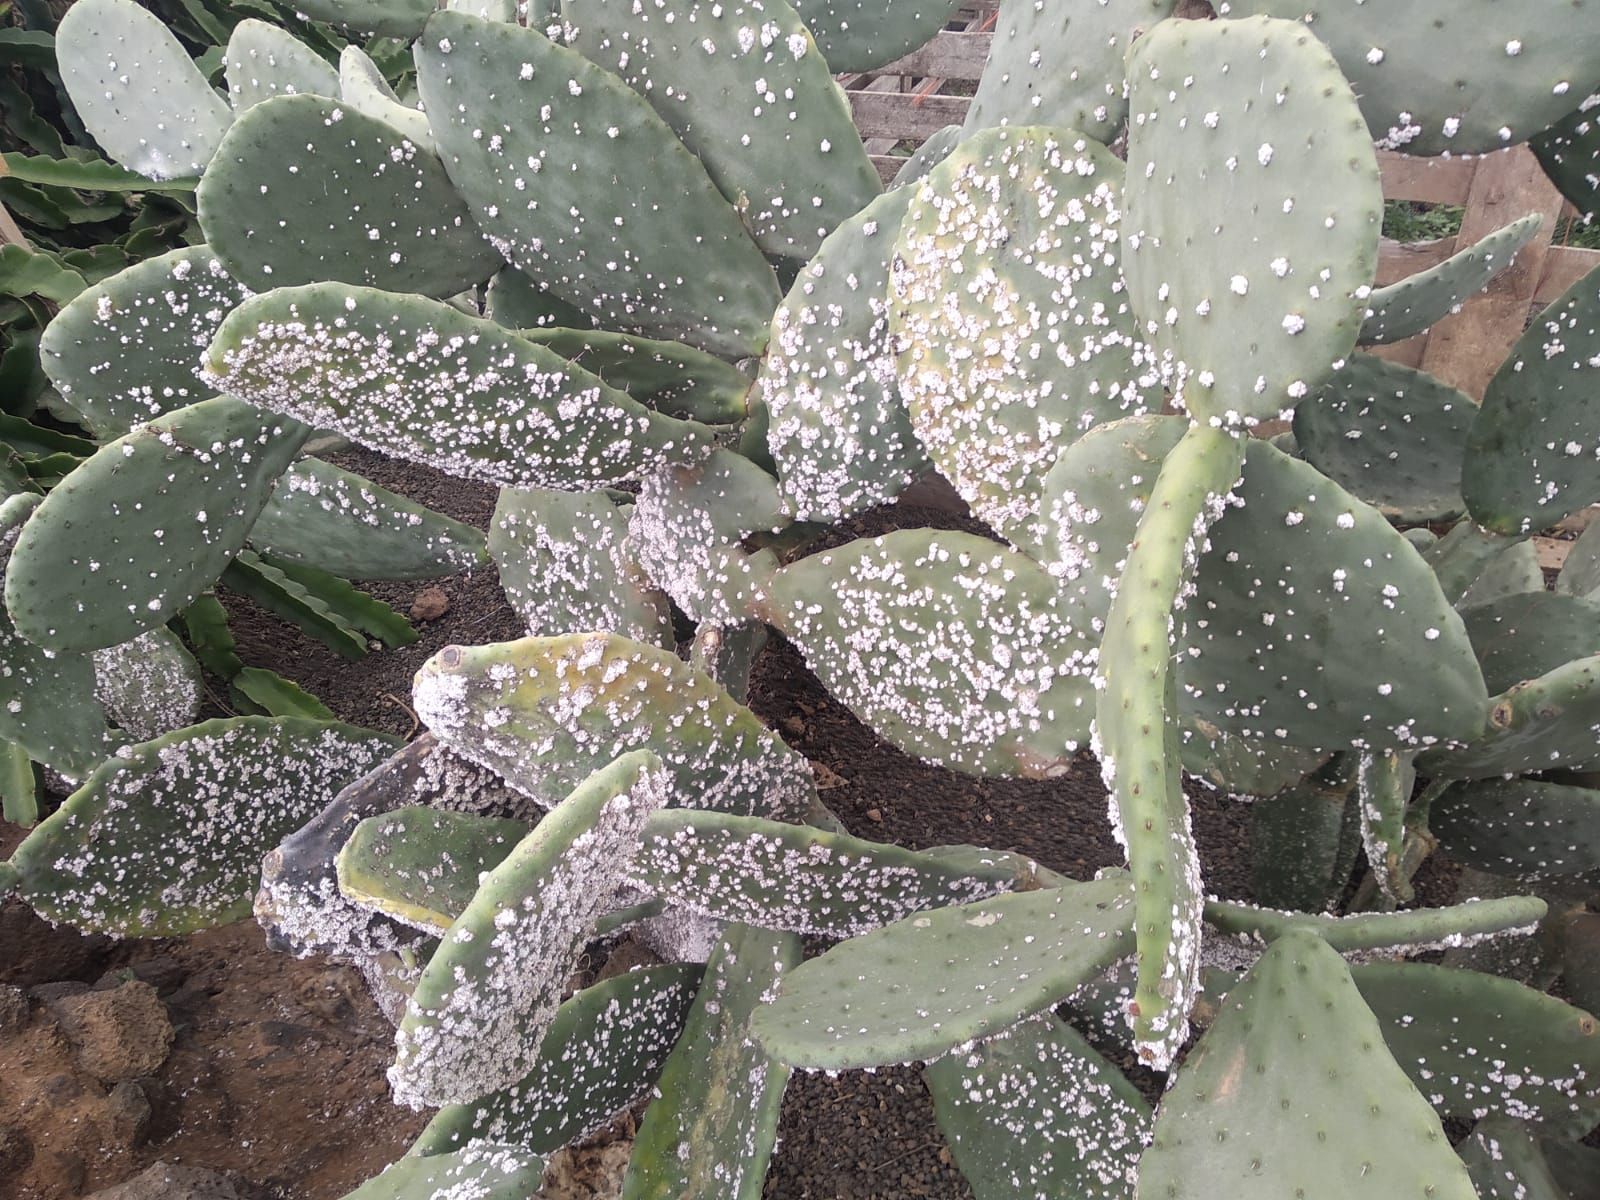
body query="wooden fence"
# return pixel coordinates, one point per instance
(902, 104)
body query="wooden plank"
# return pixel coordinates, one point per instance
(1397, 260)
(1466, 349)
(887, 165)
(950, 55)
(1551, 552)
(1563, 267)
(905, 117)
(1425, 180)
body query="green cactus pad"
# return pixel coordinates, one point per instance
(795, 877)
(1294, 578)
(1036, 1113)
(175, 829)
(543, 712)
(668, 377)
(263, 61)
(973, 662)
(710, 1132)
(1298, 841)
(1390, 435)
(363, 87)
(381, 213)
(859, 35)
(149, 686)
(1137, 734)
(490, 991)
(1534, 454)
(422, 866)
(1527, 828)
(1511, 70)
(422, 380)
(1464, 555)
(1521, 637)
(145, 525)
(1549, 722)
(1478, 1044)
(19, 799)
(925, 985)
(1569, 151)
(514, 113)
(1384, 782)
(603, 1050)
(1392, 932)
(515, 301)
(1513, 572)
(334, 519)
(391, 18)
(1507, 1162)
(933, 151)
(1580, 573)
(566, 568)
(126, 349)
(1291, 1093)
(137, 91)
(1243, 766)
(1405, 309)
(481, 1172)
(1011, 319)
(742, 85)
(1061, 65)
(838, 430)
(687, 527)
(1250, 284)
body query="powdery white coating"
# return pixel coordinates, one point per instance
(149, 686)
(422, 381)
(475, 1021)
(686, 530)
(482, 1171)
(838, 430)
(565, 566)
(950, 646)
(263, 61)
(794, 877)
(1013, 331)
(543, 712)
(127, 348)
(1038, 1112)
(166, 838)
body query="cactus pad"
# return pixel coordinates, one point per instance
(133, 535)
(1527, 828)
(306, 189)
(1521, 637)
(1511, 70)
(603, 1050)
(1390, 932)
(1037, 1114)
(925, 985)
(565, 566)
(545, 711)
(794, 877)
(137, 91)
(858, 35)
(710, 1132)
(1390, 435)
(838, 431)
(335, 520)
(668, 377)
(1513, 572)
(391, 18)
(488, 994)
(1534, 454)
(1580, 573)
(972, 662)
(1548, 722)
(1569, 151)
(514, 113)
(1507, 1162)
(1478, 1044)
(1061, 65)
(126, 349)
(263, 61)
(149, 686)
(178, 825)
(363, 87)
(1228, 120)
(481, 1172)
(421, 380)
(1406, 308)
(1011, 319)
(742, 85)
(1291, 1092)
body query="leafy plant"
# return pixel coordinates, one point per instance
(562, 276)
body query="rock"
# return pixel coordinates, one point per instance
(166, 1181)
(431, 604)
(69, 1169)
(162, 972)
(13, 1010)
(49, 993)
(118, 1034)
(16, 1151)
(127, 1114)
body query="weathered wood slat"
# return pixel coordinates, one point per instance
(950, 55)
(1425, 180)
(1563, 267)
(898, 115)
